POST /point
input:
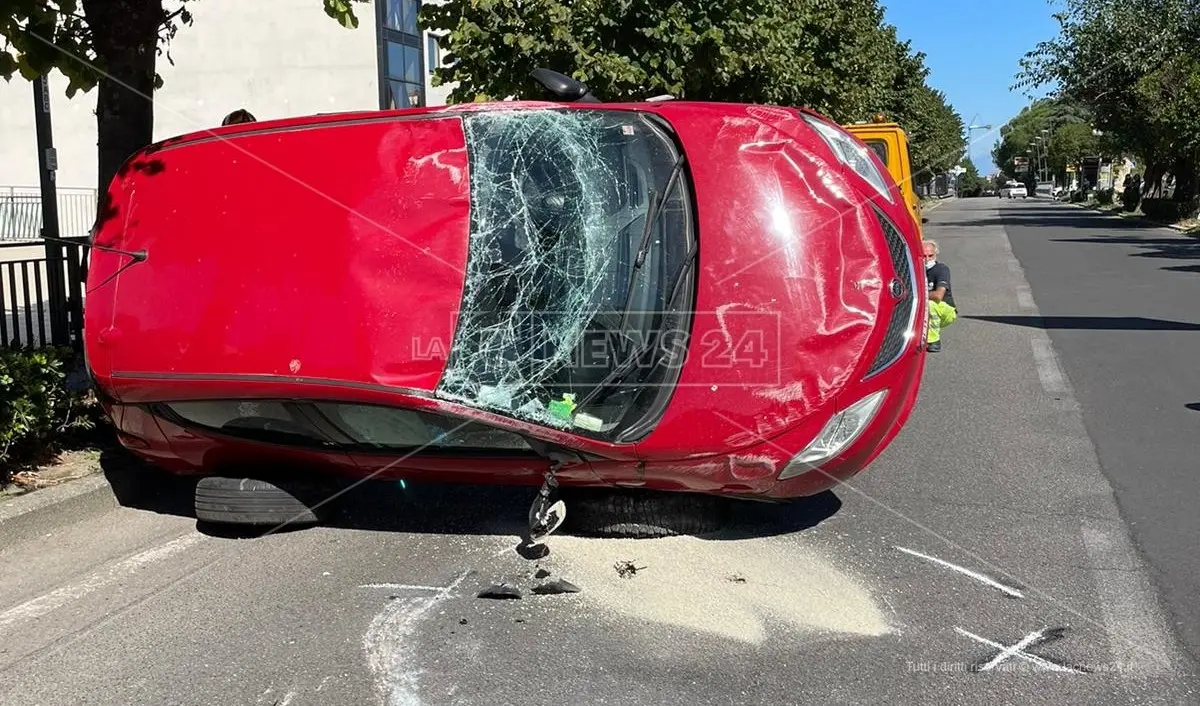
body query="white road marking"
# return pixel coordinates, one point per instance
(389, 655)
(1019, 653)
(1137, 632)
(46, 603)
(1025, 298)
(1053, 380)
(966, 572)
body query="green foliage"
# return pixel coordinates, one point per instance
(1136, 67)
(1104, 197)
(970, 184)
(836, 57)
(37, 406)
(41, 35)
(1065, 132)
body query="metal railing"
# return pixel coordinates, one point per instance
(25, 297)
(21, 212)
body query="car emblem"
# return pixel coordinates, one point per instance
(896, 288)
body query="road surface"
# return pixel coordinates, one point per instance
(984, 558)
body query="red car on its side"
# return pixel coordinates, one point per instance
(715, 298)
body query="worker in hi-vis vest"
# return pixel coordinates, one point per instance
(942, 311)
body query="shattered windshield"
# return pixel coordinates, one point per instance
(580, 233)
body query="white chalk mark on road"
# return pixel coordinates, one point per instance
(49, 602)
(1017, 650)
(1009, 652)
(389, 654)
(402, 587)
(966, 572)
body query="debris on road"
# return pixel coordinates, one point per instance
(555, 587)
(462, 621)
(541, 573)
(531, 551)
(626, 569)
(499, 591)
(736, 578)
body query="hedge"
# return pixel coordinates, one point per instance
(1170, 210)
(44, 404)
(1104, 197)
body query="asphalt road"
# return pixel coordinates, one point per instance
(858, 596)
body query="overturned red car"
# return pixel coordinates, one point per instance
(701, 297)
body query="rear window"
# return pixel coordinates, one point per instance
(879, 147)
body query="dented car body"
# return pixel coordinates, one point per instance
(680, 296)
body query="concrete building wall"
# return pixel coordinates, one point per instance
(276, 59)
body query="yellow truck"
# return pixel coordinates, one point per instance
(890, 143)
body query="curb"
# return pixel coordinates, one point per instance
(45, 497)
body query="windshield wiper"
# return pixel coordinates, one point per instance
(619, 373)
(652, 214)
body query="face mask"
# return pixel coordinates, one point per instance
(930, 263)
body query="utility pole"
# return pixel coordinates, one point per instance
(47, 165)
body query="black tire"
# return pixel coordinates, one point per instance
(638, 514)
(248, 501)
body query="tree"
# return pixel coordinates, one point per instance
(1136, 67)
(838, 58)
(969, 182)
(110, 45)
(1062, 129)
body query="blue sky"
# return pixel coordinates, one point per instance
(973, 49)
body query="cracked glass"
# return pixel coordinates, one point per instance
(562, 323)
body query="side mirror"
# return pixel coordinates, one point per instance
(563, 87)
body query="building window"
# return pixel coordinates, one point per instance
(401, 64)
(401, 15)
(433, 58)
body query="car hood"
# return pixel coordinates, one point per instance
(282, 250)
(790, 279)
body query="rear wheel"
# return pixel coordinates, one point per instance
(642, 514)
(250, 501)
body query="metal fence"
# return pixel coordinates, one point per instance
(25, 293)
(21, 212)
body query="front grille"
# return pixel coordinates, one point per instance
(900, 326)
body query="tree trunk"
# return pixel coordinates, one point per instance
(1184, 171)
(125, 37)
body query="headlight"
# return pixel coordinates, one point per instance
(838, 433)
(851, 154)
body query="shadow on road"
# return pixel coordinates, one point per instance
(1056, 217)
(430, 508)
(1093, 323)
(1181, 248)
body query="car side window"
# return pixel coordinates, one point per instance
(343, 425)
(394, 428)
